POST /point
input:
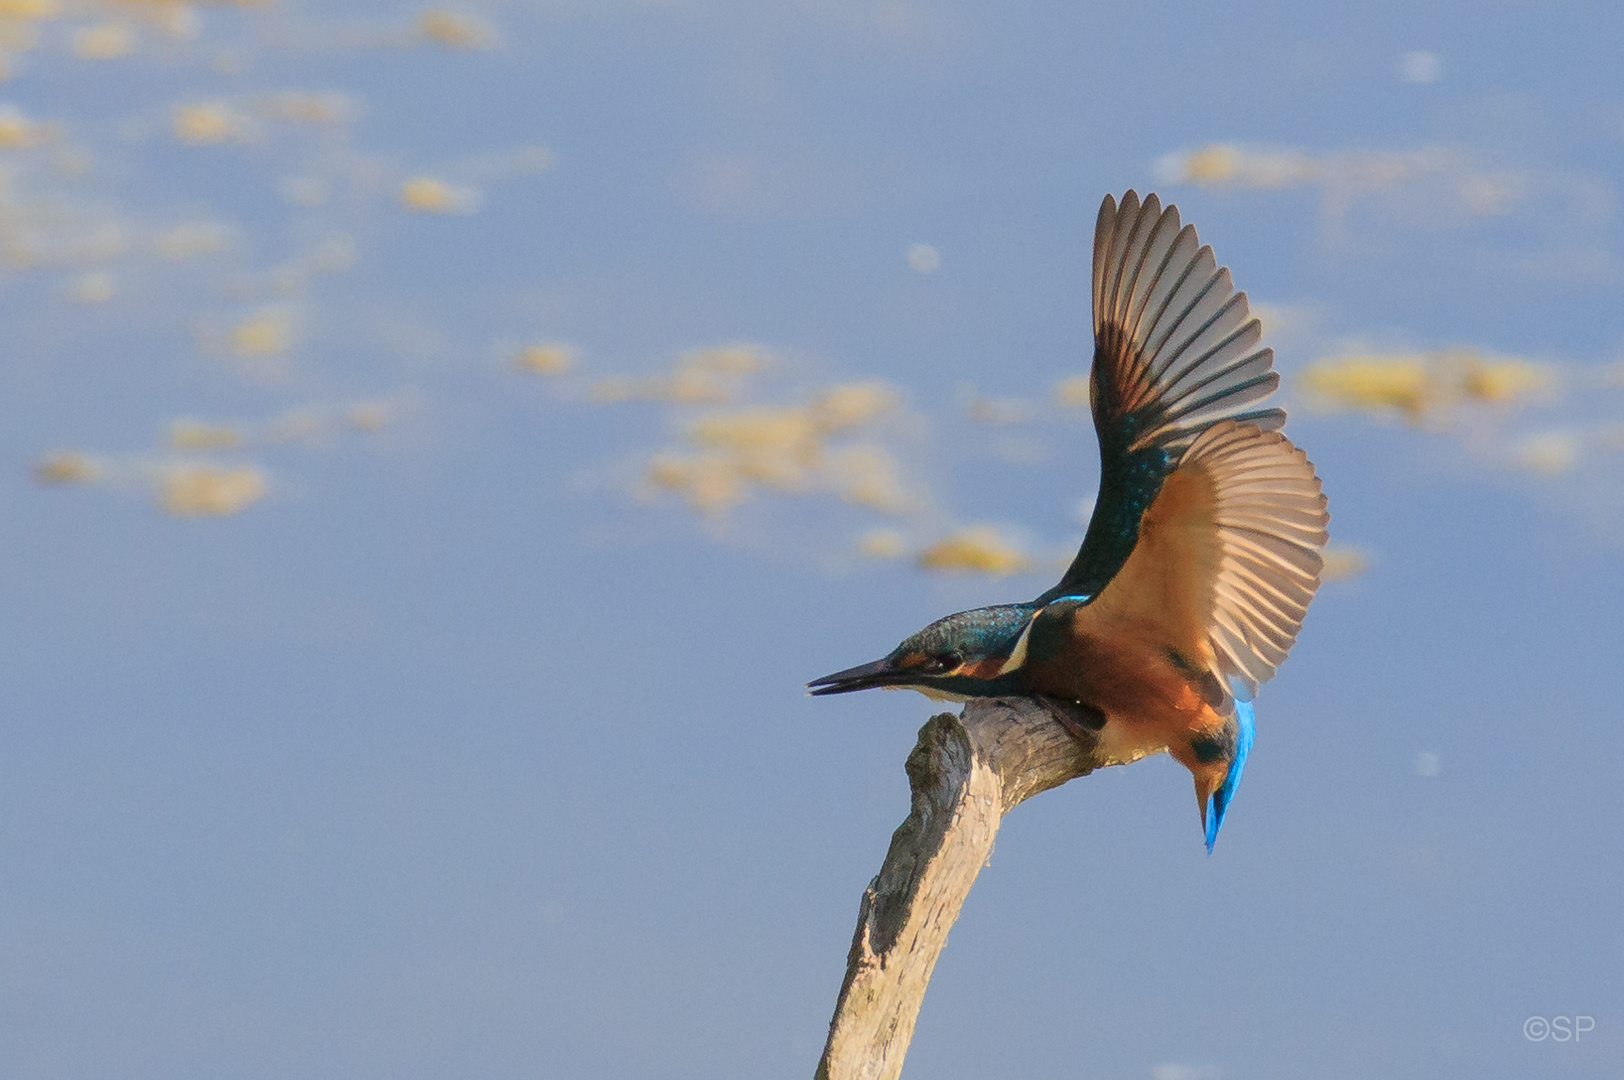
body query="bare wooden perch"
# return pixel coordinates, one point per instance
(966, 773)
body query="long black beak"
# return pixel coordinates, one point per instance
(879, 673)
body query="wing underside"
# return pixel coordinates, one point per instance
(1227, 559)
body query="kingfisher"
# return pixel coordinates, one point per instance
(1204, 548)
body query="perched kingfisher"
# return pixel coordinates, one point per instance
(1203, 551)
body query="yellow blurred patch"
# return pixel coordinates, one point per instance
(17, 30)
(311, 108)
(105, 41)
(188, 241)
(17, 132)
(1457, 186)
(1418, 384)
(868, 476)
(1344, 563)
(546, 358)
(1505, 381)
(174, 18)
(96, 288)
(709, 482)
(265, 334)
(1548, 453)
(1222, 164)
(777, 447)
(725, 360)
(692, 386)
(979, 549)
(882, 544)
(782, 448)
(208, 123)
(28, 10)
(456, 30)
(1212, 164)
(368, 416)
(204, 490)
(1074, 392)
(426, 195)
(197, 435)
(66, 467)
(852, 405)
(1404, 383)
(700, 377)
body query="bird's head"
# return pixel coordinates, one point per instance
(1216, 761)
(972, 654)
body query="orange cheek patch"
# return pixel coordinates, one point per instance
(982, 669)
(1187, 699)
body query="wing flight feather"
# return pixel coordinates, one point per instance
(1269, 538)
(1176, 351)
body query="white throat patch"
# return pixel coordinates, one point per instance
(1018, 656)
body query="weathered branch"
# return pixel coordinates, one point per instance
(966, 773)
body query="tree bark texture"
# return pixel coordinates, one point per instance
(966, 773)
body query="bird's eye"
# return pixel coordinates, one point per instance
(947, 661)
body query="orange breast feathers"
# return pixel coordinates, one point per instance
(1142, 647)
(1162, 599)
(1132, 675)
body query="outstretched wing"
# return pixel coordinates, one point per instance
(1175, 352)
(1227, 560)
